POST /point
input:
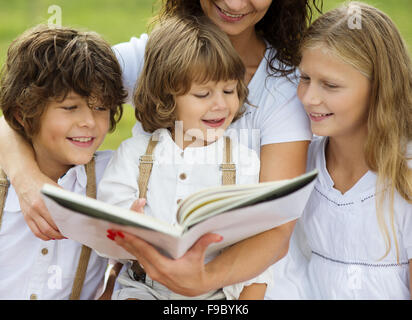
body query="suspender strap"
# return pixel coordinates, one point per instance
(4, 187)
(145, 168)
(146, 163)
(228, 167)
(86, 251)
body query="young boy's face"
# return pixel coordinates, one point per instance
(206, 111)
(70, 132)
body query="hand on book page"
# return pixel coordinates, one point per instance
(183, 275)
(138, 205)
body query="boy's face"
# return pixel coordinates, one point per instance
(70, 132)
(206, 111)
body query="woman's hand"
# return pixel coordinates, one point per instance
(187, 276)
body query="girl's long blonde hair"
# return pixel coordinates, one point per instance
(367, 39)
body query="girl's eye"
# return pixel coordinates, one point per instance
(229, 91)
(304, 78)
(330, 85)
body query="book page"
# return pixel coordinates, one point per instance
(245, 222)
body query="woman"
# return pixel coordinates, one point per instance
(266, 36)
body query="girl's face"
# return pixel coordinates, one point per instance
(235, 17)
(205, 112)
(334, 94)
(70, 132)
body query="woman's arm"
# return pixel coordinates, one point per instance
(256, 291)
(189, 276)
(18, 161)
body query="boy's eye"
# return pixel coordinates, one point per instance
(304, 78)
(69, 108)
(100, 108)
(201, 95)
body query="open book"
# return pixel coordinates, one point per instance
(235, 212)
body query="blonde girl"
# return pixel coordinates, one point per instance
(356, 87)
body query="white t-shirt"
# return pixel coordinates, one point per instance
(343, 234)
(175, 175)
(278, 115)
(31, 268)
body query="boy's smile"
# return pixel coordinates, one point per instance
(206, 111)
(70, 133)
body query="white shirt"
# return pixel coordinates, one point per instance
(175, 175)
(31, 268)
(346, 242)
(277, 117)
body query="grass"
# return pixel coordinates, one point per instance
(117, 21)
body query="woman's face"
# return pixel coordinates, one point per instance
(235, 17)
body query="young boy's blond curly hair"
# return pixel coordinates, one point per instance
(179, 52)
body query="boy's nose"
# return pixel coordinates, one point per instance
(219, 103)
(87, 118)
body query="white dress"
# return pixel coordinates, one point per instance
(175, 175)
(346, 243)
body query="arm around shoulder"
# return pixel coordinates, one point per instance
(18, 161)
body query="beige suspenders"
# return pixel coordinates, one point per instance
(86, 251)
(228, 167)
(146, 163)
(145, 167)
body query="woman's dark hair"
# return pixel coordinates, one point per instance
(283, 27)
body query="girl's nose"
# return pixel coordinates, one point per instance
(310, 96)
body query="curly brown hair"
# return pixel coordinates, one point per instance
(283, 27)
(45, 64)
(180, 51)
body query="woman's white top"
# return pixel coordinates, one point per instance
(175, 174)
(278, 115)
(31, 268)
(343, 234)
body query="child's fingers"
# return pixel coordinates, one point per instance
(42, 230)
(138, 205)
(40, 222)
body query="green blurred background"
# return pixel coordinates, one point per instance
(118, 20)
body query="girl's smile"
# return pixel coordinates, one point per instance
(334, 94)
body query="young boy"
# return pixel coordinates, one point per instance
(61, 90)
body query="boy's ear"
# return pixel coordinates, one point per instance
(19, 118)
